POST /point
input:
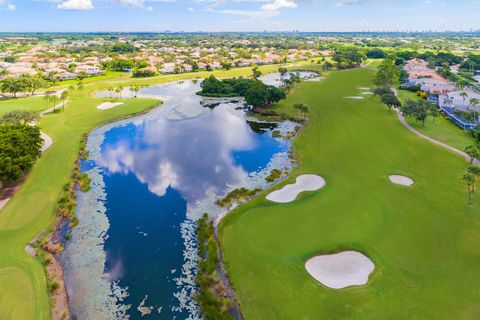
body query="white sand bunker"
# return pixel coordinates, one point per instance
(363, 88)
(367, 92)
(108, 105)
(355, 97)
(402, 180)
(340, 270)
(306, 182)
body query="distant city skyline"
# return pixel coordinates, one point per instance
(238, 15)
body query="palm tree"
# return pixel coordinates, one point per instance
(464, 95)
(475, 171)
(473, 152)
(119, 91)
(54, 100)
(46, 97)
(474, 102)
(136, 89)
(470, 180)
(110, 91)
(131, 91)
(299, 107)
(304, 110)
(64, 97)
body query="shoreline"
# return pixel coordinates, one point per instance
(57, 274)
(63, 296)
(221, 267)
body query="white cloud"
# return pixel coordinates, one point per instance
(190, 9)
(11, 7)
(139, 4)
(75, 5)
(279, 4)
(347, 3)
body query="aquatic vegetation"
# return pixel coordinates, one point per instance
(84, 182)
(236, 196)
(213, 301)
(276, 134)
(275, 174)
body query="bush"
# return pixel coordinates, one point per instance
(382, 90)
(84, 182)
(274, 175)
(237, 195)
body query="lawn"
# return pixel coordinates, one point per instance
(23, 293)
(423, 239)
(35, 104)
(440, 129)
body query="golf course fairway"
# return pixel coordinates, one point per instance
(424, 239)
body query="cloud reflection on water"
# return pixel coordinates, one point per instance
(194, 156)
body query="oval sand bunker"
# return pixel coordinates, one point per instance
(306, 182)
(108, 105)
(402, 180)
(340, 270)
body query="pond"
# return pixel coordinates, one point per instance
(133, 252)
(275, 79)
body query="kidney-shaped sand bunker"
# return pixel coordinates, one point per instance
(340, 270)
(306, 182)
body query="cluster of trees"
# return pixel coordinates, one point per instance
(124, 64)
(20, 149)
(302, 110)
(440, 58)
(23, 84)
(348, 57)
(214, 304)
(18, 117)
(123, 48)
(255, 92)
(376, 53)
(475, 133)
(388, 97)
(387, 77)
(388, 74)
(143, 73)
(419, 110)
(472, 63)
(292, 81)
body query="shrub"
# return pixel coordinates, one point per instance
(275, 174)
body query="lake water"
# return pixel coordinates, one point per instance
(274, 79)
(132, 255)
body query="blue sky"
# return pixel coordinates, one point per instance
(238, 15)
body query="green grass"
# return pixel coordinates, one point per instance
(35, 104)
(440, 129)
(23, 291)
(423, 239)
(106, 76)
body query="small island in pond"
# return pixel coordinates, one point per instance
(256, 93)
